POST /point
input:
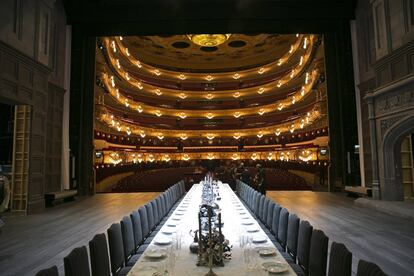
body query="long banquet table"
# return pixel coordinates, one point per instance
(185, 218)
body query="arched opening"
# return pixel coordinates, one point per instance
(396, 151)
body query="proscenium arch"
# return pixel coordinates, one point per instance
(86, 27)
(392, 187)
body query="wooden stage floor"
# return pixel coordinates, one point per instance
(369, 234)
(31, 243)
(28, 244)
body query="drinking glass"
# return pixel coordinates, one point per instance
(161, 268)
(170, 262)
(249, 259)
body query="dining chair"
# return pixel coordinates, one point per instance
(269, 218)
(150, 216)
(51, 271)
(116, 248)
(264, 212)
(261, 204)
(255, 206)
(77, 262)
(163, 205)
(304, 241)
(183, 186)
(98, 250)
(128, 241)
(155, 212)
(159, 211)
(318, 253)
(169, 199)
(144, 221)
(366, 268)
(275, 220)
(138, 236)
(292, 236)
(340, 260)
(249, 197)
(283, 227)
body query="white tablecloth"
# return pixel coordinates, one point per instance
(186, 261)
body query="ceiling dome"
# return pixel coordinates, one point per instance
(209, 40)
(219, 53)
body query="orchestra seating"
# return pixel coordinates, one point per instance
(158, 179)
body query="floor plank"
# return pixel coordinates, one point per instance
(30, 243)
(371, 235)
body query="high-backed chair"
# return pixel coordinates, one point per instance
(269, 218)
(366, 268)
(98, 249)
(318, 253)
(142, 211)
(169, 200)
(77, 262)
(150, 216)
(116, 250)
(138, 237)
(283, 227)
(128, 241)
(256, 203)
(304, 241)
(164, 206)
(264, 212)
(51, 271)
(292, 236)
(261, 204)
(275, 219)
(340, 260)
(155, 212)
(159, 208)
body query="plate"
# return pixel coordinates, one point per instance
(245, 217)
(162, 241)
(155, 254)
(179, 213)
(253, 229)
(275, 267)
(172, 225)
(168, 231)
(267, 251)
(247, 222)
(259, 239)
(242, 213)
(145, 271)
(176, 218)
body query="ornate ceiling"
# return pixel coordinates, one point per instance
(248, 90)
(179, 53)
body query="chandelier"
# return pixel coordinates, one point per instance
(209, 40)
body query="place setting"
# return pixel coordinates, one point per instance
(168, 230)
(162, 241)
(259, 239)
(252, 229)
(155, 254)
(266, 251)
(275, 267)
